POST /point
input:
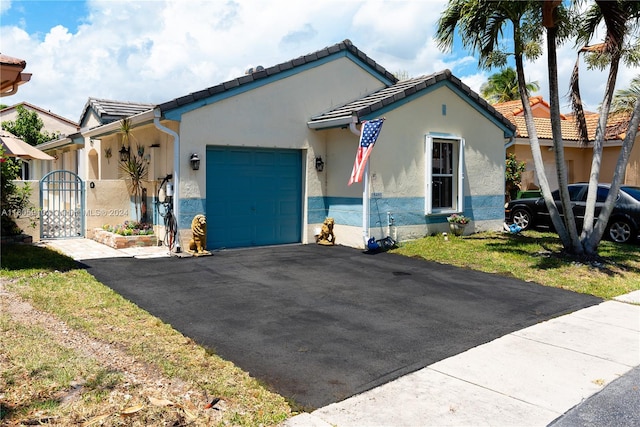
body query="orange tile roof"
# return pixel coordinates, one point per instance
(512, 110)
(543, 128)
(515, 107)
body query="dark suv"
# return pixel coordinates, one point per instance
(624, 222)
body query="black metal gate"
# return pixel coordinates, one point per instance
(61, 205)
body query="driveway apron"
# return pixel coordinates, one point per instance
(319, 324)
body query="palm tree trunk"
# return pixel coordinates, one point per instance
(591, 242)
(558, 148)
(538, 163)
(594, 177)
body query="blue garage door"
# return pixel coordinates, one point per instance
(254, 197)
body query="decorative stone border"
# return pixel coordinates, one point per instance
(121, 242)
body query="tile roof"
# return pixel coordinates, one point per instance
(543, 128)
(9, 60)
(110, 111)
(402, 90)
(512, 110)
(515, 108)
(42, 110)
(261, 73)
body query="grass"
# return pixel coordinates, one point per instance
(535, 257)
(36, 372)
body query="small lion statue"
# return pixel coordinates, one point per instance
(198, 243)
(326, 236)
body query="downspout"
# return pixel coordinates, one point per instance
(13, 91)
(176, 171)
(365, 187)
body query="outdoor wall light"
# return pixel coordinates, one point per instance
(195, 162)
(319, 164)
(124, 154)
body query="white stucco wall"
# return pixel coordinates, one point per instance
(397, 163)
(273, 116)
(160, 160)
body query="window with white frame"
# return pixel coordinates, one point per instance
(444, 159)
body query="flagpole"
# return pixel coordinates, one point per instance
(365, 188)
(368, 133)
(365, 205)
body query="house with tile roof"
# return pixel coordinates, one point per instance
(98, 112)
(53, 123)
(277, 146)
(95, 114)
(577, 157)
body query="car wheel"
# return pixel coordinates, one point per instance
(620, 231)
(522, 218)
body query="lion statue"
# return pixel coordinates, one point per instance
(326, 236)
(198, 243)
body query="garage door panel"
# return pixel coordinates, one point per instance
(237, 157)
(265, 158)
(288, 208)
(256, 195)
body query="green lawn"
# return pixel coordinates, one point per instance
(535, 257)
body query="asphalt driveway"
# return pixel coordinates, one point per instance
(319, 324)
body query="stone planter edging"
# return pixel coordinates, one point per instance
(121, 242)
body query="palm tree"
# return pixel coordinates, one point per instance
(624, 99)
(621, 42)
(481, 24)
(503, 87)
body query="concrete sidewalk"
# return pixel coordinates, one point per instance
(83, 249)
(527, 378)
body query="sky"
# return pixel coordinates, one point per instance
(152, 51)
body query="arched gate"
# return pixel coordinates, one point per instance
(61, 205)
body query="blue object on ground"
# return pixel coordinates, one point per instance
(372, 245)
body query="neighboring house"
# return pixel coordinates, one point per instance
(262, 137)
(52, 123)
(577, 158)
(106, 197)
(76, 152)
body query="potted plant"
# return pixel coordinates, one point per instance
(457, 223)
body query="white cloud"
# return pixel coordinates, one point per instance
(154, 51)
(5, 5)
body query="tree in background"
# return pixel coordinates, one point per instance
(513, 176)
(503, 87)
(13, 199)
(28, 126)
(624, 99)
(402, 74)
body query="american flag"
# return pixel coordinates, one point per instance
(368, 135)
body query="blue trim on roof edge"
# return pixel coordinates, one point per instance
(507, 132)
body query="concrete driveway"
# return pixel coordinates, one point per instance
(319, 324)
